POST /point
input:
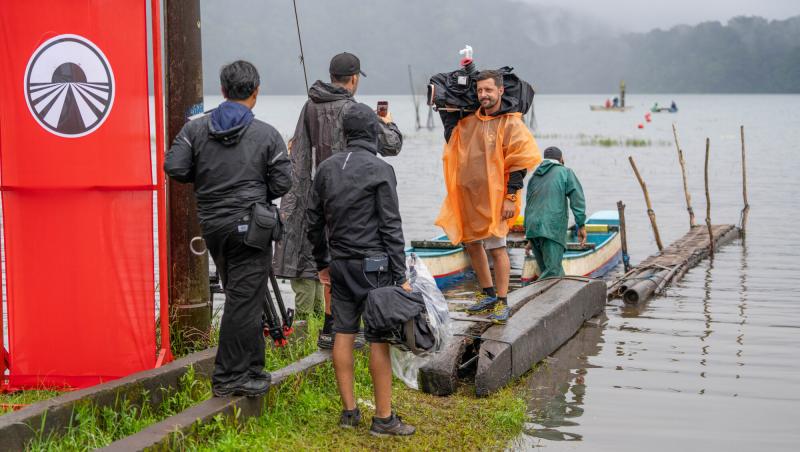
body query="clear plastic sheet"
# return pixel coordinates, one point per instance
(405, 365)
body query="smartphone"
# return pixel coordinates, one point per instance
(383, 107)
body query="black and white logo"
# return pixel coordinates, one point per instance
(69, 86)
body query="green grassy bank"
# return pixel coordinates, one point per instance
(303, 413)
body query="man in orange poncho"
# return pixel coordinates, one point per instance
(485, 161)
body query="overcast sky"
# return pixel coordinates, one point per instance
(644, 15)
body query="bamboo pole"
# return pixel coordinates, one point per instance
(692, 222)
(623, 236)
(650, 212)
(746, 209)
(708, 205)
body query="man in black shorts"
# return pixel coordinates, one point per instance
(355, 228)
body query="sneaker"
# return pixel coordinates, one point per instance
(482, 306)
(250, 388)
(392, 426)
(501, 314)
(325, 341)
(350, 418)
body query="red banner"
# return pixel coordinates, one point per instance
(76, 175)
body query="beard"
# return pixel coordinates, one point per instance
(488, 102)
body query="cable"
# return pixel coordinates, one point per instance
(300, 40)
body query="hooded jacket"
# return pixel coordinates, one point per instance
(546, 215)
(353, 210)
(318, 135)
(234, 161)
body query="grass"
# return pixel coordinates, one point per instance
(24, 398)
(303, 414)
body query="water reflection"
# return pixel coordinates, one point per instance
(558, 387)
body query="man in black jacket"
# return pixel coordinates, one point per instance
(318, 135)
(355, 229)
(234, 161)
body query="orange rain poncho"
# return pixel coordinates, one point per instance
(477, 160)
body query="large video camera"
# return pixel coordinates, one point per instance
(453, 94)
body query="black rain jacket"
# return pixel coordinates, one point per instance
(353, 211)
(232, 169)
(318, 135)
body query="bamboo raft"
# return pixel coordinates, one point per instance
(654, 274)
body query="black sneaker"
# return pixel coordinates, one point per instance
(325, 341)
(391, 426)
(350, 418)
(250, 388)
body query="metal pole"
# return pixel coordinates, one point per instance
(708, 205)
(692, 222)
(190, 298)
(626, 261)
(746, 209)
(650, 212)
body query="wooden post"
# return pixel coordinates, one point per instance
(708, 205)
(414, 97)
(692, 222)
(190, 298)
(650, 212)
(746, 209)
(623, 236)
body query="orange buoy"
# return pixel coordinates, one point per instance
(641, 126)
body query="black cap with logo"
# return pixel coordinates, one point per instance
(346, 64)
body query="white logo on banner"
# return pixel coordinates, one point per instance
(69, 86)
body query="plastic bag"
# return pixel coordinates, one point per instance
(405, 365)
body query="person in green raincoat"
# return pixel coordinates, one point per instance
(546, 216)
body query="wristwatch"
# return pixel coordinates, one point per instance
(512, 197)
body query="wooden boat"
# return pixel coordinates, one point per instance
(602, 253)
(604, 108)
(664, 110)
(447, 263)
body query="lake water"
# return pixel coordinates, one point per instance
(714, 364)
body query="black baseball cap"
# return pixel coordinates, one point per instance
(553, 153)
(346, 64)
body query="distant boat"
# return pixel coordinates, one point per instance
(604, 108)
(664, 110)
(603, 250)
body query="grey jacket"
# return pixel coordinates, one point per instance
(318, 135)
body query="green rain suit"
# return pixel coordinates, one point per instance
(546, 216)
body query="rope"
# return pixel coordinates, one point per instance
(300, 40)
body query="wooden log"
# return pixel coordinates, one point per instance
(439, 376)
(623, 236)
(683, 174)
(746, 209)
(537, 330)
(708, 204)
(650, 212)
